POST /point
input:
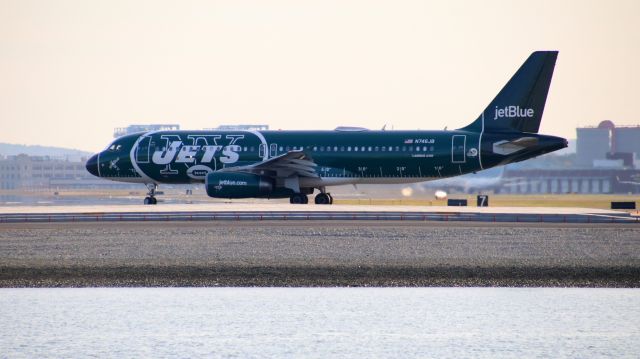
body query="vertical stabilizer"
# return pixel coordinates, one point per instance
(520, 104)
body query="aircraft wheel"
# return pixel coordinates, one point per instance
(154, 200)
(330, 198)
(298, 198)
(323, 198)
(147, 200)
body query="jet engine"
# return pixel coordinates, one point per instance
(237, 185)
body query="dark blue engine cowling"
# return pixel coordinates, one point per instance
(237, 185)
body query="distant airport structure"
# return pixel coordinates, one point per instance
(122, 131)
(131, 129)
(240, 127)
(606, 161)
(44, 172)
(584, 181)
(608, 146)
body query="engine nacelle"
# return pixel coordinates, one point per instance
(237, 185)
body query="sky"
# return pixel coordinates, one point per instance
(72, 71)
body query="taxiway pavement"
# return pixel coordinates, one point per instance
(270, 211)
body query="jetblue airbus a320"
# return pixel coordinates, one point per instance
(281, 164)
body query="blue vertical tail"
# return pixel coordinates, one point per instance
(519, 105)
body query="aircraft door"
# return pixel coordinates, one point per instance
(143, 150)
(274, 150)
(458, 150)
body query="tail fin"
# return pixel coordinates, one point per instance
(520, 103)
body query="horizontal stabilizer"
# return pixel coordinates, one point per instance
(508, 147)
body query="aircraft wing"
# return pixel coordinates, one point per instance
(292, 163)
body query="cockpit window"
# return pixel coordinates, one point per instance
(115, 147)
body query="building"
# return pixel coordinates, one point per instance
(560, 181)
(608, 146)
(627, 140)
(23, 172)
(122, 131)
(592, 143)
(240, 127)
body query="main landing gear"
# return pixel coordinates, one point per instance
(298, 198)
(324, 198)
(151, 199)
(321, 198)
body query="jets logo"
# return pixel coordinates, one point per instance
(176, 151)
(194, 155)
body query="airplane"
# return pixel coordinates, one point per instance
(293, 164)
(487, 180)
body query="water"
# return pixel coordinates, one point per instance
(320, 322)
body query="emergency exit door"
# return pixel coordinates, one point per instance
(458, 147)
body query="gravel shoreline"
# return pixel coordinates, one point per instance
(189, 276)
(318, 254)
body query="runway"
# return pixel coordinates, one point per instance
(268, 211)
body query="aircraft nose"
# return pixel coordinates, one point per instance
(92, 165)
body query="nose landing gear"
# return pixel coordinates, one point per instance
(151, 199)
